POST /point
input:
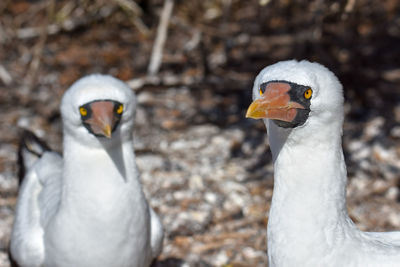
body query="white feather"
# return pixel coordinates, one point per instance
(308, 222)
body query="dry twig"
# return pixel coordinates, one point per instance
(156, 55)
(38, 48)
(135, 12)
(5, 75)
(69, 24)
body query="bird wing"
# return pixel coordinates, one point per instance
(157, 234)
(38, 200)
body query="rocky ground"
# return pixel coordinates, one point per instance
(206, 169)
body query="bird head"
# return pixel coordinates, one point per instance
(299, 100)
(98, 108)
(293, 94)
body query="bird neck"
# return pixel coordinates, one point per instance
(98, 173)
(308, 207)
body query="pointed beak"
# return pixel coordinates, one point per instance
(274, 103)
(107, 130)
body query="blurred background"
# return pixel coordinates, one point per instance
(205, 168)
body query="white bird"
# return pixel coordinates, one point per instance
(302, 106)
(86, 208)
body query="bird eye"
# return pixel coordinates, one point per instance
(308, 93)
(83, 111)
(120, 109)
(261, 92)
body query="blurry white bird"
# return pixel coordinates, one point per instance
(302, 106)
(86, 208)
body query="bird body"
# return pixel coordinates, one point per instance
(308, 222)
(104, 196)
(87, 208)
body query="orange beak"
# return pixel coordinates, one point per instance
(274, 104)
(102, 119)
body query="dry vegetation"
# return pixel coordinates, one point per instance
(206, 170)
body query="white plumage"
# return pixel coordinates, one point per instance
(87, 208)
(308, 221)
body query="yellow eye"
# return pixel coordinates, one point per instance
(308, 94)
(120, 109)
(261, 92)
(83, 111)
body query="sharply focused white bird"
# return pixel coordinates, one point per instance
(302, 106)
(86, 208)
